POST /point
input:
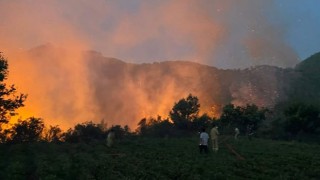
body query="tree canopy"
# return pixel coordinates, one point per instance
(242, 117)
(302, 118)
(185, 111)
(29, 130)
(9, 101)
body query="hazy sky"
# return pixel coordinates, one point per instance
(221, 33)
(227, 34)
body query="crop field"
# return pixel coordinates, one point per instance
(172, 158)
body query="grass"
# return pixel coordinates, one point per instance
(148, 158)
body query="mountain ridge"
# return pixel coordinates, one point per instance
(124, 93)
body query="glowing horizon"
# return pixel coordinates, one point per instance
(224, 34)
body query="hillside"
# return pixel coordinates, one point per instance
(306, 86)
(154, 87)
(89, 86)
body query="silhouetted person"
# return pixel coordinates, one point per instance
(110, 138)
(214, 133)
(203, 145)
(250, 131)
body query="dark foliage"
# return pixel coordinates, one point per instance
(9, 101)
(120, 132)
(184, 112)
(53, 134)
(156, 127)
(28, 130)
(84, 132)
(242, 117)
(302, 118)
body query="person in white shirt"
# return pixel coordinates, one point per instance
(110, 138)
(203, 145)
(236, 133)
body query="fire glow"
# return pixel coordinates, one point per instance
(66, 87)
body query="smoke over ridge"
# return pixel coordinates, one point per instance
(65, 88)
(227, 34)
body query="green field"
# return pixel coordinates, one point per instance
(147, 158)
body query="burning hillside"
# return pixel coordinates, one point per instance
(69, 87)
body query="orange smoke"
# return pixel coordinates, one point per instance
(65, 89)
(185, 23)
(55, 81)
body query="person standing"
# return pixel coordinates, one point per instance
(236, 133)
(203, 145)
(214, 133)
(250, 131)
(110, 138)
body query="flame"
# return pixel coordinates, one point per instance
(211, 111)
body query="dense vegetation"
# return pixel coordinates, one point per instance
(154, 158)
(167, 148)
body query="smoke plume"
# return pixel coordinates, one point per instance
(66, 86)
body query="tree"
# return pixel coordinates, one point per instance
(9, 102)
(301, 117)
(185, 112)
(230, 115)
(242, 117)
(253, 115)
(86, 132)
(28, 130)
(53, 134)
(142, 127)
(127, 130)
(202, 121)
(155, 127)
(118, 131)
